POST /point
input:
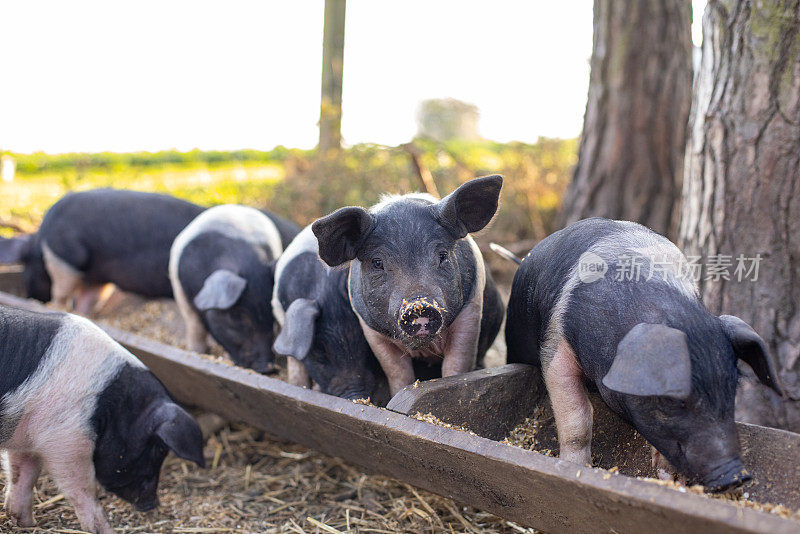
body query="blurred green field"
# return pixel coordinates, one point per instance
(300, 186)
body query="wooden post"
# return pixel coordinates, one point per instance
(330, 114)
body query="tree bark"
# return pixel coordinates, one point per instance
(742, 181)
(330, 114)
(630, 159)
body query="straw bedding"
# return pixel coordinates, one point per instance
(253, 484)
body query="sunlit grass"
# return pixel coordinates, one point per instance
(29, 196)
(297, 185)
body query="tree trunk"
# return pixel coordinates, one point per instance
(330, 114)
(630, 159)
(742, 182)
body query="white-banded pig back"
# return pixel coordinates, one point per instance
(222, 267)
(304, 272)
(616, 301)
(236, 222)
(319, 330)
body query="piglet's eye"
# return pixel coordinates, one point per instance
(377, 263)
(442, 257)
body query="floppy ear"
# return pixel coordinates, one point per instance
(220, 291)
(750, 348)
(180, 432)
(341, 234)
(470, 207)
(652, 360)
(298, 329)
(15, 249)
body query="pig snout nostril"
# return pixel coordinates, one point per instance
(420, 317)
(728, 478)
(731, 484)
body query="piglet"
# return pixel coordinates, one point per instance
(417, 280)
(80, 406)
(91, 238)
(612, 304)
(222, 269)
(320, 334)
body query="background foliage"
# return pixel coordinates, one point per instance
(302, 187)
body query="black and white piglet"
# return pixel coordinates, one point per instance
(222, 269)
(91, 238)
(610, 303)
(320, 334)
(418, 281)
(77, 404)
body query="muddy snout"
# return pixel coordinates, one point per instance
(420, 317)
(727, 477)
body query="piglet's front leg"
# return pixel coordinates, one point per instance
(395, 362)
(297, 374)
(65, 280)
(196, 334)
(461, 348)
(74, 475)
(571, 407)
(86, 298)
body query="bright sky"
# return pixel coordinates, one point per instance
(149, 75)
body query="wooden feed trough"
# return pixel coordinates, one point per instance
(527, 487)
